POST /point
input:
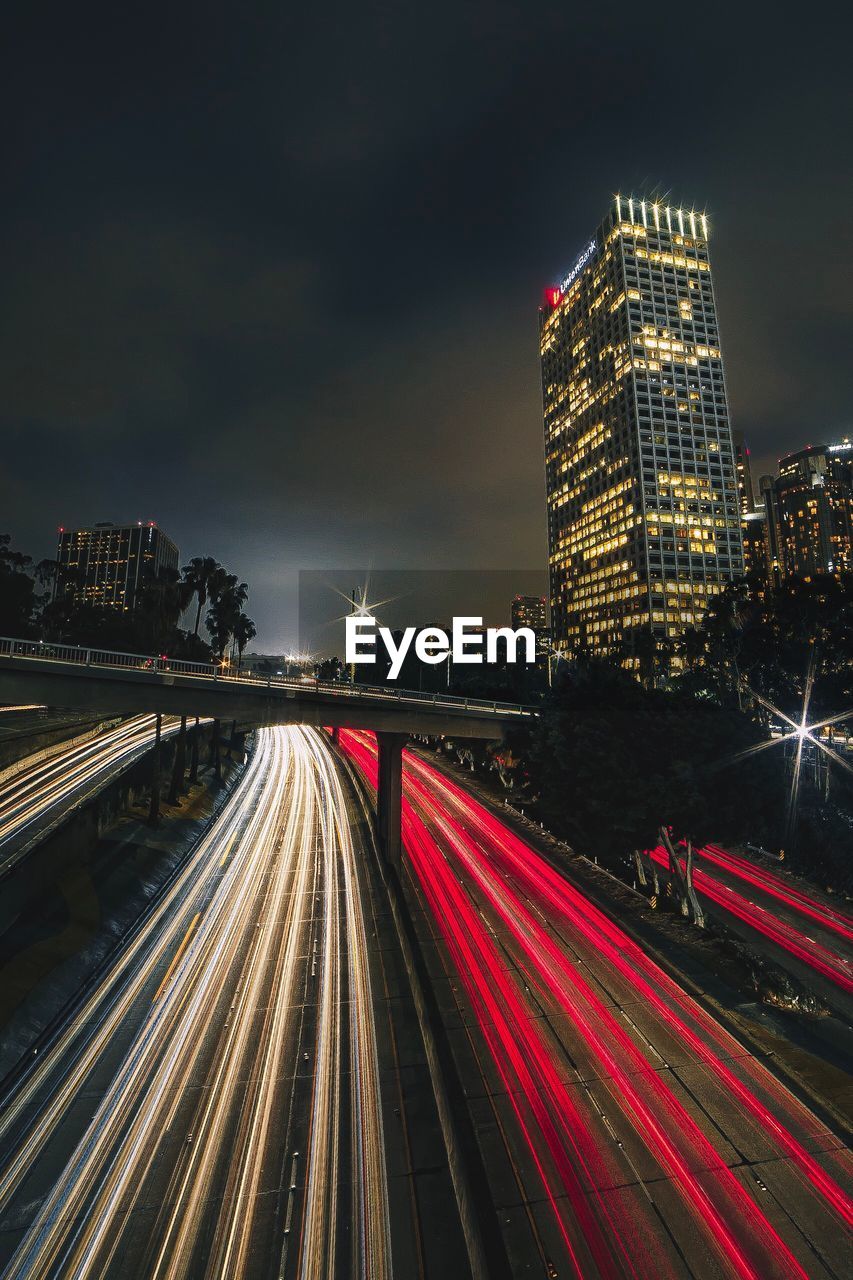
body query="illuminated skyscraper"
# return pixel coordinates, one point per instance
(772, 532)
(106, 564)
(814, 501)
(753, 529)
(643, 509)
(752, 516)
(743, 474)
(531, 611)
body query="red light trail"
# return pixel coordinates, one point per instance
(483, 883)
(823, 959)
(828, 917)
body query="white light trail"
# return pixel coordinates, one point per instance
(236, 924)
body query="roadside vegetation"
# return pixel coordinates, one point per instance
(616, 755)
(203, 591)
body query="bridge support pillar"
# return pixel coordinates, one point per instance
(154, 804)
(194, 753)
(389, 796)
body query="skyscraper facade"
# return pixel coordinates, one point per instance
(814, 504)
(531, 611)
(752, 516)
(743, 474)
(772, 534)
(643, 510)
(105, 565)
(755, 556)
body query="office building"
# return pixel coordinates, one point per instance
(531, 611)
(643, 507)
(772, 538)
(106, 565)
(752, 516)
(814, 506)
(743, 474)
(754, 533)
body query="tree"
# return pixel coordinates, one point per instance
(45, 575)
(17, 598)
(650, 651)
(158, 610)
(227, 597)
(329, 669)
(199, 575)
(610, 762)
(723, 625)
(244, 631)
(692, 647)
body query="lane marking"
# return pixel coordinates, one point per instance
(176, 957)
(228, 848)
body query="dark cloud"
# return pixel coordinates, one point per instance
(271, 274)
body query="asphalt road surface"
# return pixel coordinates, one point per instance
(624, 1131)
(799, 930)
(237, 1095)
(41, 795)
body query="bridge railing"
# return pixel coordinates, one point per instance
(162, 665)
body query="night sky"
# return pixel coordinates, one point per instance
(271, 272)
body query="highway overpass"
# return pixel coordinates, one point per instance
(131, 684)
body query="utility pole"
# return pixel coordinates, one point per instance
(352, 614)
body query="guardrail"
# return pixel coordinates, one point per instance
(47, 651)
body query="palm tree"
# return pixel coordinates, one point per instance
(244, 631)
(160, 605)
(198, 576)
(227, 597)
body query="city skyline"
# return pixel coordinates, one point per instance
(426, 661)
(758, 541)
(108, 565)
(288, 316)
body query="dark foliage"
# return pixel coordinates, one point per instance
(611, 761)
(151, 627)
(17, 590)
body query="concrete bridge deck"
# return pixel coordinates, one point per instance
(129, 684)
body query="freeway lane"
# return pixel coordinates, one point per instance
(812, 939)
(40, 795)
(779, 889)
(625, 1132)
(215, 1107)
